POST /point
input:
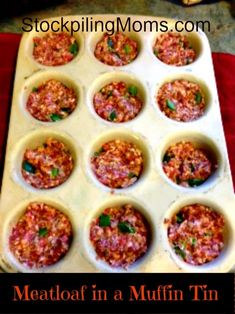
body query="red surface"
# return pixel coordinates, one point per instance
(224, 70)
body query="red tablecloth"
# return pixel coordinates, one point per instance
(224, 69)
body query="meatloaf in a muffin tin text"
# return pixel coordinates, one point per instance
(116, 50)
(41, 237)
(51, 101)
(118, 164)
(196, 234)
(188, 165)
(174, 49)
(54, 49)
(181, 100)
(48, 165)
(118, 102)
(120, 235)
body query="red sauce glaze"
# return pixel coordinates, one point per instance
(41, 237)
(116, 50)
(196, 234)
(124, 240)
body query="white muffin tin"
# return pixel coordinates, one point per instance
(82, 197)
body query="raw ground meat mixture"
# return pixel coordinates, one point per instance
(52, 101)
(48, 165)
(187, 165)
(116, 50)
(118, 164)
(196, 234)
(118, 102)
(54, 49)
(174, 49)
(41, 237)
(181, 100)
(120, 235)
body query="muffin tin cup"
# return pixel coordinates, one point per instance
(227, 255)
(34, 140)
(40, 78)
(9, 260)
(188, 77)
(28, 49)
(112, 77)
(153, 239)
(199, 140)
(194, 38)
(82, 196)
(125, 135)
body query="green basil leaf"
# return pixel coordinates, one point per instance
(131, 175)
(167, 157)
(42, 232)
(101, 150)
(193, 241)
(179, 218)
(170, 104)
(155, 52)
(195, 182)
(179, 251)
(55, 117)
(133, 90)
(28, 167)
(55, 172)
(104, 220)
(74, 48)
(127, 49)
(112, 116)
(125, 227)
(198, 98)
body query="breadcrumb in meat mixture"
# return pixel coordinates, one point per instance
(118, 164)
(181, 100)
(55, 49)
(196, 234)
(52, 101)
(187, 165)
(48, 165)
(174, 49)
(41, 237)
(118, 102)
(120, 235)
(116, 50)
